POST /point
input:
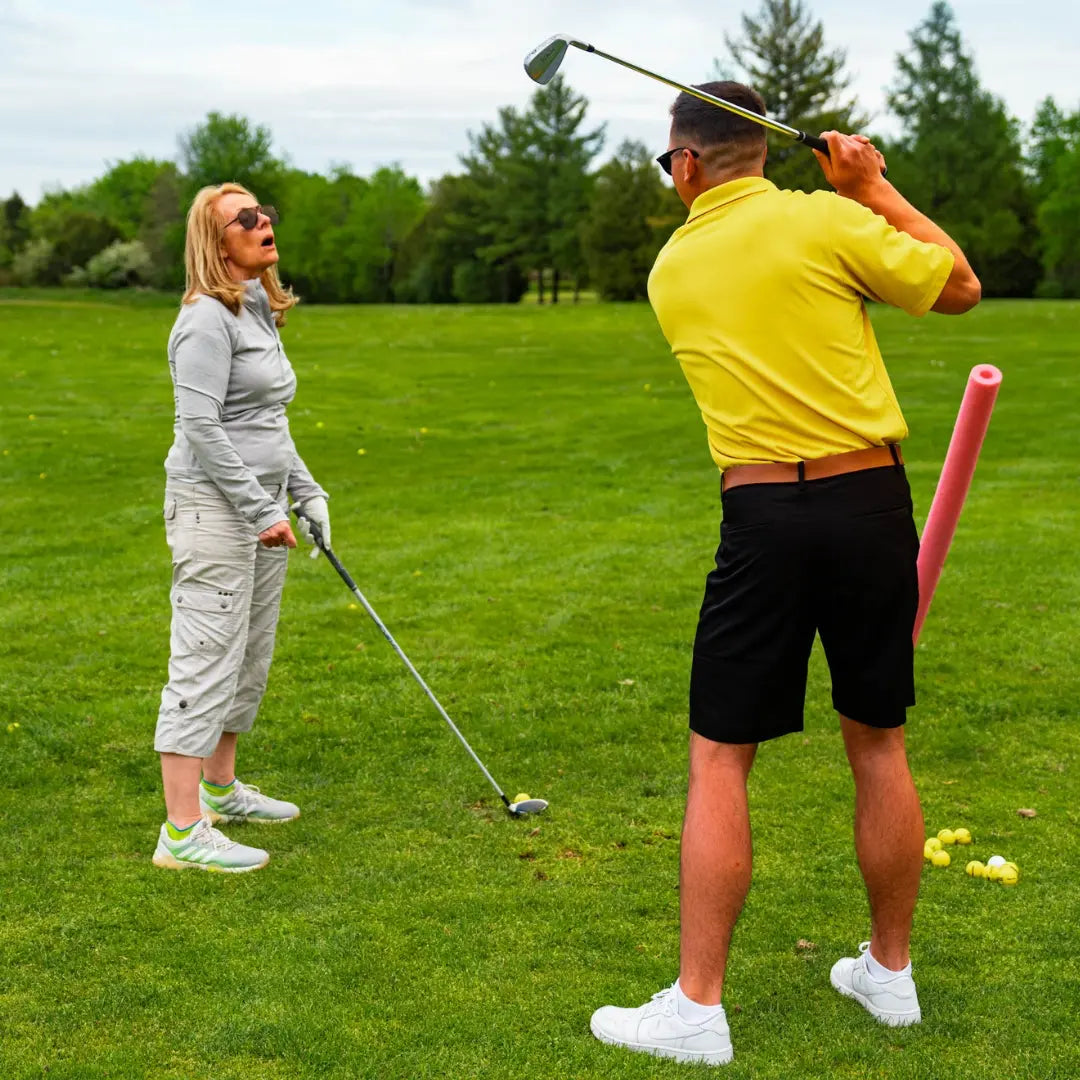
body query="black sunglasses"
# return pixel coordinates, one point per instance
(249, 216)
(664, 160)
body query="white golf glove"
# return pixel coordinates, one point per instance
(316, 509)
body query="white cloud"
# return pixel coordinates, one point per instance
(370, 83)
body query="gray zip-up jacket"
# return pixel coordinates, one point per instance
(231, 382)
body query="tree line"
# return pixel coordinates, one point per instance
(529, 205)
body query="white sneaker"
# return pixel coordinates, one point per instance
(657, 1028)
(204, 848)
(894, 1002)
(245, 803)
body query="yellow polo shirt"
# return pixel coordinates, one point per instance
(761, 297)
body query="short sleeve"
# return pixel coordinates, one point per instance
(884, 263)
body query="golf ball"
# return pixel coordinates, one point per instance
(932, 844)
(521, 796)
(1007, 875)
(947, 836)
(974, 868)
(940, 858)
(962, 836)
(996, 860)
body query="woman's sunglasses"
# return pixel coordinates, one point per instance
(664, 160)
(249, 216)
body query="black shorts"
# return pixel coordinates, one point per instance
(836, 556)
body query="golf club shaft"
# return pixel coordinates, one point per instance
(316, 533)
(773, 125)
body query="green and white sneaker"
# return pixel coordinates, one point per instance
(243, 802)
(202, 847)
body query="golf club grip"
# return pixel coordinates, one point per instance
(316, 535)
(814, 142)
(820, 144)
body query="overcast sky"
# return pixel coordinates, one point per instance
(364, 83)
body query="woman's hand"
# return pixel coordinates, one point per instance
(279, 535)
(316, 510)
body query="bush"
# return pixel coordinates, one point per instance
(36, 264)
(121, 264)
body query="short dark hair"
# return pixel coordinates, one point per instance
(709, 125)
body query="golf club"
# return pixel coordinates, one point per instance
(542, 63)
(518, 809)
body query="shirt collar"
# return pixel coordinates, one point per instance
(723, 194)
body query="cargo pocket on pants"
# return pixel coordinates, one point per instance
(206, 619)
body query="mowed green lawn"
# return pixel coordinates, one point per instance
(526, 498)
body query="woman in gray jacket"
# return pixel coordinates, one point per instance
(229, 474)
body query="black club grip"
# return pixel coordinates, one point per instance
(814, 142)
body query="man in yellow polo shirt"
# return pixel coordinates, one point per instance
(761, 295)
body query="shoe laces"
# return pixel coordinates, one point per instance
(663, 1001)
(207, 834)
(249, 794)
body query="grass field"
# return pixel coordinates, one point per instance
(526, 498)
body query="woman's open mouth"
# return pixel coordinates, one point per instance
(268, 242)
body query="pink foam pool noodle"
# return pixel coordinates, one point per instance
(952, 489)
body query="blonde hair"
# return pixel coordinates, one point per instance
(204, 265)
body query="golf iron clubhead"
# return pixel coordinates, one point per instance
(518, 809)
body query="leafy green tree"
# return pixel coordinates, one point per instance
(340, 236)
(73, 232)
(392, 205)
(1059, 220)
(121, 194)
(1053, 134)
(1054, 162)
(782, 55)
(439, 261)
(631, 215)
(162, 228)
(230, 149)
(959, 157)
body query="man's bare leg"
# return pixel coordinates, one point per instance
(888, 836)
(715, 863)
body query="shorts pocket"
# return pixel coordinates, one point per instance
(170, 509)
(205, 619)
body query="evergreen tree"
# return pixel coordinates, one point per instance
(532, 181)
(15, 223)
(561, 156)
(959, 158)
(783, 56)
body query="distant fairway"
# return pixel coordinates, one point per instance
(533, 514)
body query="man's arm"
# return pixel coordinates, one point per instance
(853, 167)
